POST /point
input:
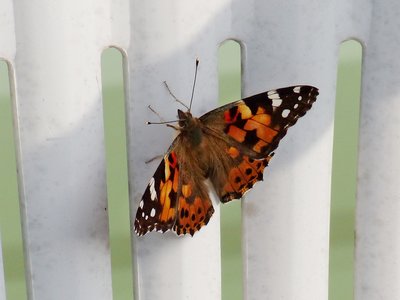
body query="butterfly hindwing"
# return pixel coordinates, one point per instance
(241, 177)
(195, 207)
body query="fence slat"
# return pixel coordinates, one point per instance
(166, 40)
(61, 149)
(286, 218)
(378, 204)
(7, 36)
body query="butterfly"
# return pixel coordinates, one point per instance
(230, 146)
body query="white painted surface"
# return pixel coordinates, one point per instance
(7, 32)
(286, 218)
(378, 206)
(2, 283)
(166, 39)
(55, 51)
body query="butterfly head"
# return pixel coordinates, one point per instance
(185, 119)
(190, 127)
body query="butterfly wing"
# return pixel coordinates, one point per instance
(174, 199)
(259, 122)
(158, 206)
(241, 176)
(195, 207)
(252, 128)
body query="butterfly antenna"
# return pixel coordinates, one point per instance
(194, 83)
(156, 113)
(173, 96)
(164, 122)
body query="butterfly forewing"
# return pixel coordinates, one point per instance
(259, 122)
(173, 200)
(157, 208)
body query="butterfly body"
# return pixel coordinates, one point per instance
(230, 146)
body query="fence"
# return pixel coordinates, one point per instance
(54, 51)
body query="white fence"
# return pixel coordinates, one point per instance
(54, 49)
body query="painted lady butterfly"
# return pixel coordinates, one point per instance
(230, 145)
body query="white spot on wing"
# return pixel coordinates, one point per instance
(276, 102)
(153, 193)
(273, 95)
(141, 204)
(285, 113)
(296, 89)
(300, 98)
(153, 212)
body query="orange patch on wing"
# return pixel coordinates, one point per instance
(258, 147)
(166, 190)
(236, 179)
(228, 188)
(237, 133)
(200, 210)
(183, 213)
(263, 132)
(167, 170)
(165, 209)
(260, 110)
(245, 111)
(176, 180)
(247, 170)
(242, 178)
(263, 119)
(233, 152)
(192, 216)
(161, 185)
(171, 213)
(186, 190)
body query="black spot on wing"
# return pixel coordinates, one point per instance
(251, 138)
(253, 102)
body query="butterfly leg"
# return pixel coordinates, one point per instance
(172, 126)
(173, 96)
